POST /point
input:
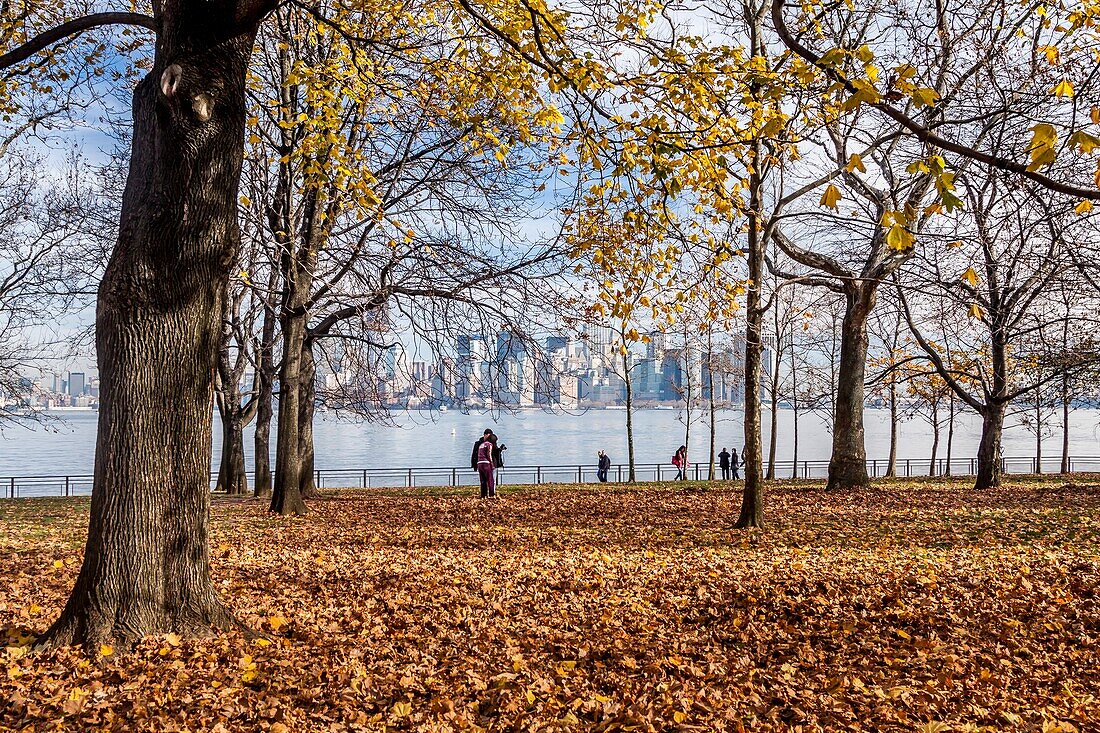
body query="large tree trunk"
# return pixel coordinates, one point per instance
(848, 463)
(752, 498)
(286, 498)
(146, 566)
(265, 378)
(989, 447)
(232, 474)
(307, 403)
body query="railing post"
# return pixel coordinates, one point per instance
(66, 486)
(908, 468)
(317, 478)
(619, 473)
(13, 487)
(580, 476)
(410, 478)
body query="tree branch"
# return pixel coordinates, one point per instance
(920, 131)
(79, 25)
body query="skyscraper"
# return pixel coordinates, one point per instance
(471, 362)
(76, 384)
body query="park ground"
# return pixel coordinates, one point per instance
(915, 606)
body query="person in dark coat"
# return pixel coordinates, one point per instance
(724, 464)
(604, 466)
(736, 465)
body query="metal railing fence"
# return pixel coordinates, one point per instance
(12, 487)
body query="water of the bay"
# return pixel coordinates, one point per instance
(66, 445)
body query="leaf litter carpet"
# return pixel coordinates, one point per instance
(911, 607)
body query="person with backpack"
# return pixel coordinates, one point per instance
(603, 467)
(680, 460)
(724, 464)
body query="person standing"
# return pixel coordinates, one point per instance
(603, 467)
(724, 464)
(498, 451)
(735, 464)
(680, 460)
(485, 467)
(477, 444)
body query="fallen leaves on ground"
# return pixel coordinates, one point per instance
(910, 607)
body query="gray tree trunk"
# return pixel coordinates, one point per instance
(848, 463)
(286, 497)
(307, 404)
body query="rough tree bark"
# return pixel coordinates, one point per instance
(307, 483)
(265, 384)
(989, 448)
(286, 498)
(232, 473)
(848, 463)
(234, 414)
(752, 498)
(146, 566)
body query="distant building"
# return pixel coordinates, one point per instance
(470, 369)
(76, 384)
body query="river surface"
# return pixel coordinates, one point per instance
(66, 445)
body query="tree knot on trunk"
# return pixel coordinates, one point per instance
(170, 80)
(203, 106)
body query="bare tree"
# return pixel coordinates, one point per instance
(1016, 241)
(46, 262)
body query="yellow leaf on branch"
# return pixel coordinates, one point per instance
(899, 238)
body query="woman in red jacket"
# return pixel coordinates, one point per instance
(680, 460)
